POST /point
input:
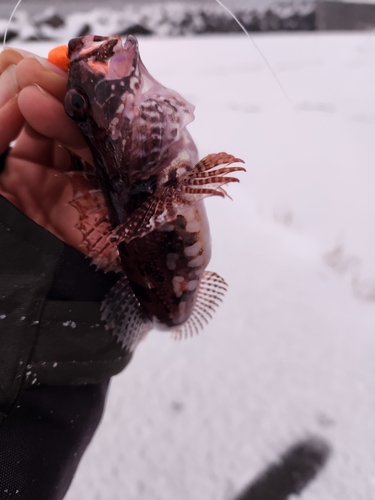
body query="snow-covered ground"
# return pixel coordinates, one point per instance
(170, 18)
(290, 353)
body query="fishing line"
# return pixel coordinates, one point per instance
(257, 48)
(9, 21)
(270, 69)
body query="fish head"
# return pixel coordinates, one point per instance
(128, 118)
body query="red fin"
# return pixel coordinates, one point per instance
(124, 315)
(94, 221)
(206, 180)
(193, 184)
(210, 293)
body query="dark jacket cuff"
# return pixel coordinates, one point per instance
(46, 336)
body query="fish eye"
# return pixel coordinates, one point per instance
(78, 101)
(76, 104)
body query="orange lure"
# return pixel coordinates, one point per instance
(59, 57)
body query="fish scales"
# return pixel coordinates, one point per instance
(141, 203)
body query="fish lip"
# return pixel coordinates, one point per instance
(106, 55)
(89, 44)
(131, 39)
(74, 46)
(84, 47)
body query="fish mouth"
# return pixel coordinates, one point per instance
(106, 55)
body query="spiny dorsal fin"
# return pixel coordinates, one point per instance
(124, 315)
(210, 293)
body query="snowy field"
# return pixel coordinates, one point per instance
(289, 357)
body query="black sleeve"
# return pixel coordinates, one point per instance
(50, 327)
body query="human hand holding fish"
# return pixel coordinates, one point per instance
(140, 199)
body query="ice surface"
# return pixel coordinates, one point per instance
(291, 351)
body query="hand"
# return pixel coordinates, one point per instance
(32, 114)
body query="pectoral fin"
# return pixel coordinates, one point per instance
(124, 315)
(205, 179)
(211, 290)
(93, 221)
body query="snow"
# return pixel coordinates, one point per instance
(164, 19)
(357, 1)
(290, 354)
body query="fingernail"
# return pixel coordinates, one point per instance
(47, 65)
(40, 89)
(8, 84)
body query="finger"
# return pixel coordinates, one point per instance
(8, 84)
(47, 65)
(30, 71)
(46, 115)
(14, 56)
(31, 145)
(30, 140)
(11, 122)
(11, 119)
(8, 57)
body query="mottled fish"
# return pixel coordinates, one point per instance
(140, 205)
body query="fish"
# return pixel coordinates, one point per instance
(141, 204)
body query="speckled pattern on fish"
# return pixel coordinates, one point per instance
(141, 204)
